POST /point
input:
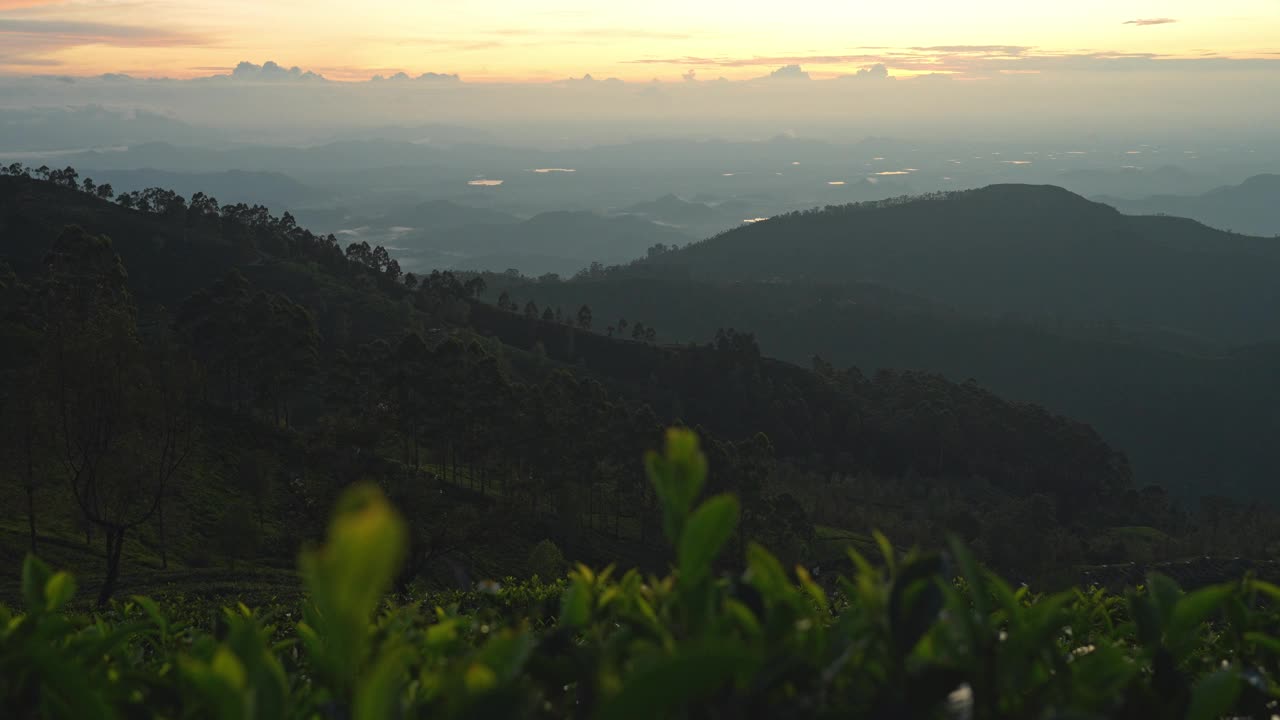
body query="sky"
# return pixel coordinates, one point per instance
(513, 41)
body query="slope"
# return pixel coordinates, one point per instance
(1038, 251)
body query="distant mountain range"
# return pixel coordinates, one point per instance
(1036, 251)
(1252, 207)
(1126, 322)
(275, 190)
(698, 219)
(447, 234)
(559, 242)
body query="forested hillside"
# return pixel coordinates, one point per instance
(1250, 207)
(964, 285)
(1182, 409)
(1035, 251)
(306, 367)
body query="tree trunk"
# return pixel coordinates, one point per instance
(31, 514)
(115, 544)
(31, 485)
(164, 545)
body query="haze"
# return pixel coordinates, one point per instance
(729, 70)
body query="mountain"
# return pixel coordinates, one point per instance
(1181, 410)
(338, 155)
(675, 210)
(559, 242)
(1034, 251)
(499, 390)
(447, 215)
(1252, 207)
(62, 129)
(275, 190)
(1130, 181)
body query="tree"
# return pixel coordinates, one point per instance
(504, 302)
(168, 422)
(475, 287)
(253, 480)
(584, 317)
(23, 410)
(105, 191)
(546, 561)
(637, 331)
(259, 344)
(237, 536)
(122, 423)
(548, 315)
(531, 310)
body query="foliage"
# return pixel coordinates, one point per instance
(920, 636)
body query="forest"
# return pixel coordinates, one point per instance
(195, 395)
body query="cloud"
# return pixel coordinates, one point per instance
(786, 60)
(788, 72)
(598, 33)
(270, 71)
(34, 42)
(1143, 22)
(67, 33)
(19, 4)
(872, 72)
(430, 77)
(973, 49)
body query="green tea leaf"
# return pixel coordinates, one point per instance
(378, 697)
(35, 576)
(677, 476)
(1215, 695)
(705, 533)
(575, 604)
(766, 573)
(58, 590)
(673, 682)
(1194, 608)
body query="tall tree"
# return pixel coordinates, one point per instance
(122, 422)
(23, 411)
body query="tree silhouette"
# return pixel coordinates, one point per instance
(123, 422)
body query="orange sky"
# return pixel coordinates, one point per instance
(525, 40)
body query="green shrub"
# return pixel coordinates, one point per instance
(546, 560)
(918, 636)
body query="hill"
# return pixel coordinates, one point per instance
(275, 190)
(1252, 207)
(554, 242)
(1181, 409)
(1037, 251)
(360, 371)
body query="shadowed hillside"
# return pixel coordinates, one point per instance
(1035, 251)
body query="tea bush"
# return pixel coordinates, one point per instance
(925, 635)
